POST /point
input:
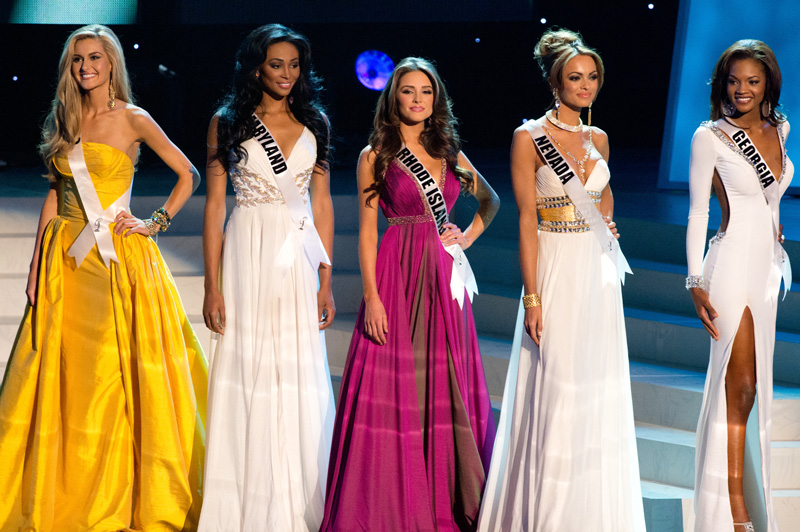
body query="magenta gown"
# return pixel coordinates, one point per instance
(414, 429)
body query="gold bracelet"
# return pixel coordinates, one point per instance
(531, 300)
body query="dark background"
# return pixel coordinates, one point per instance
(494, 83)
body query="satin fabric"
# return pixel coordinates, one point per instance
(103, 403)
(565, 455)
(741, 270)
(271, 403)
(414, 427)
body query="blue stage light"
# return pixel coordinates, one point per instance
(74, 12)
(543, 20)
(650, 6)
(477, 39)
(136, 46)
(373, 69)
(15, 78)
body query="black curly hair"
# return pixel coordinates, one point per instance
(236, 108)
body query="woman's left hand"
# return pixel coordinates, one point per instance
(129, 224)
(326, 308)
(781, 238)
(453, 235)
(612, 226)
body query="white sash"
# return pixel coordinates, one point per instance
(462, 276)
(96, 230)
(303, 234)
(747, 149)
(577, 193)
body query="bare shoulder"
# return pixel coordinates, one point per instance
(367, 156)
(137, 117)
(598, 135)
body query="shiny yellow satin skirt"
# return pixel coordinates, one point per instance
(102, 408)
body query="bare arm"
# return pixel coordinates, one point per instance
(213, 227)
(188, 177)
(606, 197)
(375, 322)
(49, 211)
(322, 208)
(488, 203)
(148, 132)
(524, 162)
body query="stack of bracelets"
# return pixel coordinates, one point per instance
(531, 300)
(159, 221)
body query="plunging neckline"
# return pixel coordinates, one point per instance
(566, 157)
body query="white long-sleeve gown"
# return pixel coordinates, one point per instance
(741, 269)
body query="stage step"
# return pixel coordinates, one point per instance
(662, 331)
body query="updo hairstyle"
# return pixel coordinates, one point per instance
(554, 50)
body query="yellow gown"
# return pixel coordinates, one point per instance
(102, 409)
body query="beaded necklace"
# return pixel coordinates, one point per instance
(581, 163)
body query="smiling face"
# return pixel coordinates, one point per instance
(579, 82)
(415, 97)
(746, 85)
(281, 70)
(91, 66)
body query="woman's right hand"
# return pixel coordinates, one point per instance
(706, 312)
(375, 323)
(214, 311)
(533, 323)
(33, 282)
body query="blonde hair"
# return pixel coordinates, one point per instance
(62, 126)
(554, 50)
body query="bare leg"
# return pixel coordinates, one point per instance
(740, 390)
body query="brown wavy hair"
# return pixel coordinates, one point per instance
(439, 137)
(748, 49)
(62, 127)
(554, 50)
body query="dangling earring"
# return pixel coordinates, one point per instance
(112, 94)
(557, 103)
(728, 109)
(589, 118)
(769, 108)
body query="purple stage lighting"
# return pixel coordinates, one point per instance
(373, 69)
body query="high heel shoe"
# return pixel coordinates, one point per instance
(748, 526)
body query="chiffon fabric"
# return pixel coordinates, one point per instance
(414, 428)
(742, 269)
(565, 454)
(271, 406)
(103, 403)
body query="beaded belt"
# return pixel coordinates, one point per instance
(405, 220)
(559, 215)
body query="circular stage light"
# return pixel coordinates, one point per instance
(373, 69)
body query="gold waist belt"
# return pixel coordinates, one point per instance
(567, 213)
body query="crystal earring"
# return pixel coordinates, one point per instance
(112, 94)
(728, 109)
(589, 118)
(557, 103)
(769, 108)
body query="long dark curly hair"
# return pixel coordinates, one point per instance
(439, 137)
(236, 108)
